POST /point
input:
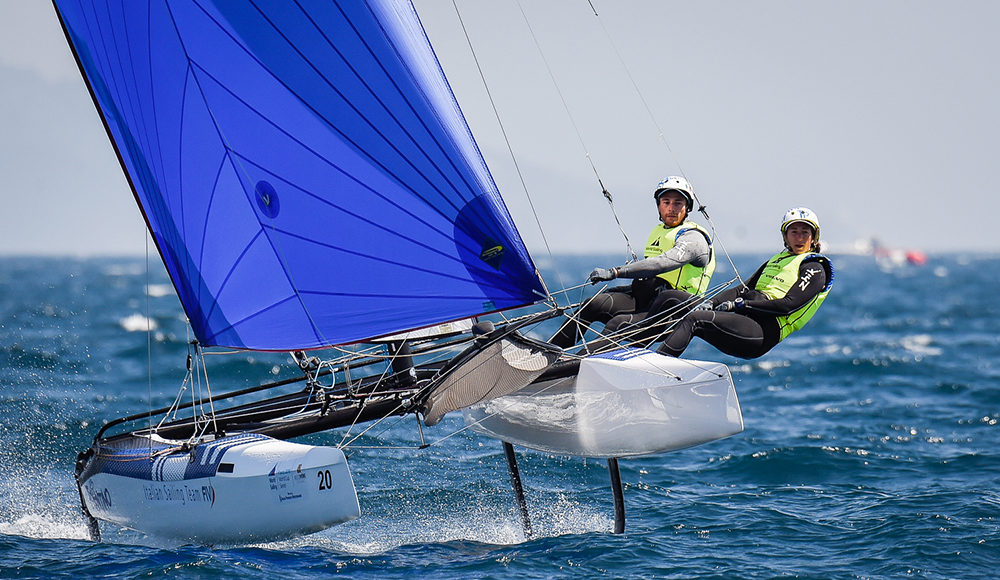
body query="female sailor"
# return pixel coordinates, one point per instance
(784, 293)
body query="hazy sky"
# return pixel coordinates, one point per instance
(883, 117)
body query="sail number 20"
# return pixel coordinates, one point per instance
(325, 479)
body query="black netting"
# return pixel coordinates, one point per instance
(501, 368)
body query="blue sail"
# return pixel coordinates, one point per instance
(302, 165)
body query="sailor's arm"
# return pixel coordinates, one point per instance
(691, 247)
(812, 280)
(740, 291)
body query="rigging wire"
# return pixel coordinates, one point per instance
(631, 254)
(638, 92)
(604, 190)
(633, 333)
(208, 388)
(703, 209)
(149, 348)
(510, 149)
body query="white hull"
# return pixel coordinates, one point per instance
(625, 403)
(275, 490)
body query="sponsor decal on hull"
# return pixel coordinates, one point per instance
(98, 499)
(176, 493)
(287, 485)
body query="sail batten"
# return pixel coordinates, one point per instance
(303, 168)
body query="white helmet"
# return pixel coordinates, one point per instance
(674, 183)
(801, 214)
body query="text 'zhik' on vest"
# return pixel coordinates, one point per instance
(777, 278)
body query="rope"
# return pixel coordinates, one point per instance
(503, 131)
(149, 350)
(622, 337)
(597, 175)
(701, 207)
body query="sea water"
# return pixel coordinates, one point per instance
(871, 448)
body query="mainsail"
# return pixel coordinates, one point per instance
(303, 166)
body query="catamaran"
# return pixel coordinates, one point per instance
(312, 186)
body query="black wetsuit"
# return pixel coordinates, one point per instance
(753, 330)
(632, 300)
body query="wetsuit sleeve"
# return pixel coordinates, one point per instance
(742, 291)
(812, 280)
(691, 247)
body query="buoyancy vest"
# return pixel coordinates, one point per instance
(777, 278)
(689, 278)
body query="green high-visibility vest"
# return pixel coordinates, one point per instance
(777, 278)
(689, 278)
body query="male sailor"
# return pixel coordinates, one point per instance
(784, 293)
(678, 258)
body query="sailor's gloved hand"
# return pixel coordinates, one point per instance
(602, 275)
(730, 306)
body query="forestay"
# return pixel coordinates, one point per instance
(303, 167)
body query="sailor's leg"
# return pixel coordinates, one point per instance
(622, 320)
(600, 308)
(733, 334)
(645, 327)
(628, 324)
